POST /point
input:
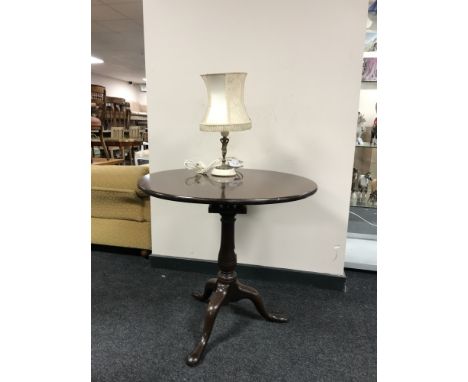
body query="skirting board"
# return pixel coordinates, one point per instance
(247, 271)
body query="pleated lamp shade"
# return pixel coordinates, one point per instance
(226, 110)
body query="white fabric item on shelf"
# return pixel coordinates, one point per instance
(142, 154)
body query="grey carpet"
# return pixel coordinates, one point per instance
(144, 323)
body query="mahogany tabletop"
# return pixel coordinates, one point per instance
(248, 187)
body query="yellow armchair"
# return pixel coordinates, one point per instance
(120, 212)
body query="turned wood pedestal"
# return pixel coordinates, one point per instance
(226, 287)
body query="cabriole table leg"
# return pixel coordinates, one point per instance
(209, 289)
(211, 312)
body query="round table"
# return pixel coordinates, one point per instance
(227, 196)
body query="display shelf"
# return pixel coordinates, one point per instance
(363, 203)
(361, 244)
(361, 252)
(369, 54)
(363, 221)
(367, 145)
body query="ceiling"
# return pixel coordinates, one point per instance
(117, 38)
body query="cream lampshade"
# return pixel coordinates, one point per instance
(226, 111)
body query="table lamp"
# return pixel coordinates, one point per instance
(226, 112)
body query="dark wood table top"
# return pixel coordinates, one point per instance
(249, 187)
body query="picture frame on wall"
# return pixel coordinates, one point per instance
(369, 69)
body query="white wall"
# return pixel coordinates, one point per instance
(303, 60)
(119, 88)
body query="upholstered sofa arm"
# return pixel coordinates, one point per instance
(118, 177)
(115, 193)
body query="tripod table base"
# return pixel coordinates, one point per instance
(222, 291)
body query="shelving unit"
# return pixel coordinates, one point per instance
(361, 244)
(139, 119)
(125, 124)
